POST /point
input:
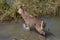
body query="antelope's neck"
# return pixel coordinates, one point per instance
(25, 15)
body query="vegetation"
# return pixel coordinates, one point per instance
(6, 12)
(40, 7)
(36, 8)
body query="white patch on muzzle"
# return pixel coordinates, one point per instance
(41, 25)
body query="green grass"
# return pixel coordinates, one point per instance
(36, 8)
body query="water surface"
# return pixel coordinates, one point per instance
(8, 31)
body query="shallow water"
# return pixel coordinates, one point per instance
(8, 31)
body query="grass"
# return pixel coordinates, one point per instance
(36, 8)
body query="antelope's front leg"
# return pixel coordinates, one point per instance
(25, 26)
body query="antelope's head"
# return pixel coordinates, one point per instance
(41, 28)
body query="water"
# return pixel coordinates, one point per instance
(8, 31)
(54, 29)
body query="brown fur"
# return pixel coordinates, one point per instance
(32, 21)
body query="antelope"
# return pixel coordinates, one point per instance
(32, 22)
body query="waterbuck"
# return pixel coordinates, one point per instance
(32, 22)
